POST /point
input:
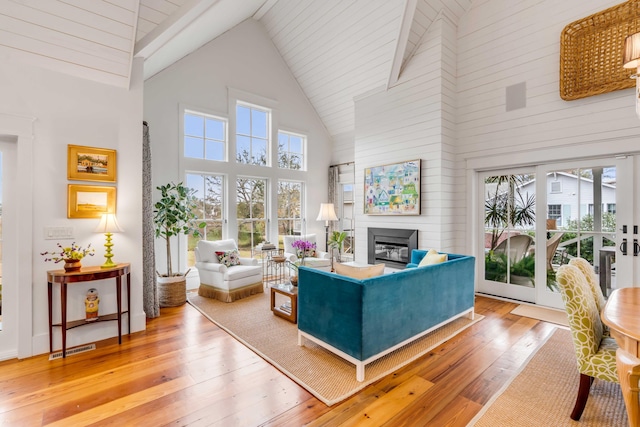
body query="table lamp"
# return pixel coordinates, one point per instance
(327, 213)
(108, 225)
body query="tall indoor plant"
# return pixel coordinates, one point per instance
(174, 215)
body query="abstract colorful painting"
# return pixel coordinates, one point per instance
(392, 189)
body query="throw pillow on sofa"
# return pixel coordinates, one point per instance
(432, 257)
(228, 258)
(359, 272)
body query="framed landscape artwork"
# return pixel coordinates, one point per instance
(90, 201)
(91, 164)
(392, 189)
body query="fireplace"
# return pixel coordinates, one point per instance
(391, 246)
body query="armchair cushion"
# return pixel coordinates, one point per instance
(359, 271)
(228, 258)
(206, 249)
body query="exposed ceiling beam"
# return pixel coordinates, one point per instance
(401, 41)
(171, 27)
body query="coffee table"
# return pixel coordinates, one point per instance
(289, 309)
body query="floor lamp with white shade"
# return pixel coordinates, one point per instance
(327, 213)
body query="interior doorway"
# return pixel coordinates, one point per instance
(8, 285)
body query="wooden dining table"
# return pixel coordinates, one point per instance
(622, 315)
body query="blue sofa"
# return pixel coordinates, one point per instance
(362, 320)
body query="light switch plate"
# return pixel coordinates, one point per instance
(56, 233)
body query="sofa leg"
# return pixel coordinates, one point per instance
(360, 372)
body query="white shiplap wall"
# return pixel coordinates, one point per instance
(501, 43)
(409, 122)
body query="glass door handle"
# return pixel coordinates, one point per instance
(623, 247)
(636, 247)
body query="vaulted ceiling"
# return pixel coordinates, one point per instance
(336, 49)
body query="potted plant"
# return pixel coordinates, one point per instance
(174, 215)
(335, 242)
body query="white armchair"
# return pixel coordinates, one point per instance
(224, 283)
(321, 261)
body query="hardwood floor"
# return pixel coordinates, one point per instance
(184, 370)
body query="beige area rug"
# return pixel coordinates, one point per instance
(328, 377)
(559, 317)
(544, 392)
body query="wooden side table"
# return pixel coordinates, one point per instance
(289, 312)
(87, 274)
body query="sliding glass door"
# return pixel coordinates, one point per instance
(509, 223)
(535, 220)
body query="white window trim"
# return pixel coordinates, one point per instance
(182, 108)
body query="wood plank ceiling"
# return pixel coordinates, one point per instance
(336, 49)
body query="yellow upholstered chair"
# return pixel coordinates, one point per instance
(595, 353)
(592, 280)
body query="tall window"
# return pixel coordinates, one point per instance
(291, 148)
(209, 192)
(251, 211)
(205, 137)
(289, 208)
(252, 135)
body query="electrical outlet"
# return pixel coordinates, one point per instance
(57, 233)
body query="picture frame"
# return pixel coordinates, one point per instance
(393, 189)
(91, 163)
(90, 201)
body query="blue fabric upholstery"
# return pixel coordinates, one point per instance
(365, 317)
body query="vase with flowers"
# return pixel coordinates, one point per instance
(71, 255)
(304, 248)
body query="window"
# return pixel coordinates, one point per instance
(205, 137)
(291, 149)
(347, 218)
(289, 208)
(209, 192)
(611, 208)
(556, 186)
(555, 212)
(252, 135)
(251, 210)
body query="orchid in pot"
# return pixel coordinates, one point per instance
(304, 248)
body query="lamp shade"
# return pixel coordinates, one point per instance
(327, 212)
(108, 224)
(631, 52)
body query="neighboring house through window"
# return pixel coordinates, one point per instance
(555, 212)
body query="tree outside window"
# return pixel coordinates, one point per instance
(289, 208)
(252, 135)
(209, 200)
(291, 149)
(251, 213)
